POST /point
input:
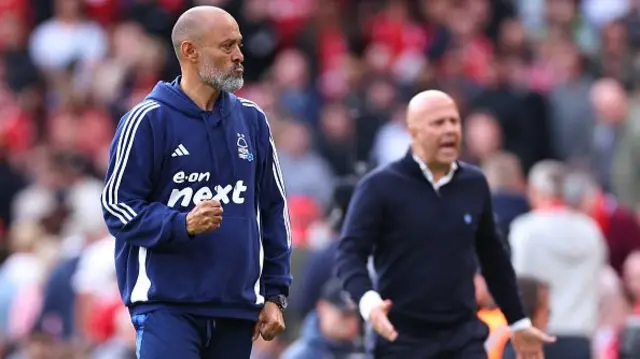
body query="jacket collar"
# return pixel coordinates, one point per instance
(419, 168)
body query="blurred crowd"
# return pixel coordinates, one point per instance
(548, 91)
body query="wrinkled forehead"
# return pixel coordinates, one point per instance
(220, 29)
(438, 109)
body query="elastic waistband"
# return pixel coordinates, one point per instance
(235, 311)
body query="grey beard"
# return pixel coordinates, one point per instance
(227, 83)
(222, 82)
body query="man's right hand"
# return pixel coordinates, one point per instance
(206, 216)
(380, 322)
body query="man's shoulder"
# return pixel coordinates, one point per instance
(251, 112)
(586, 222)
(523, 220)
(467, 175)
(573, 218)
(378, 176)
(145, 109)
(246, 105)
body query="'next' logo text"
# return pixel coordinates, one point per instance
(187, 196)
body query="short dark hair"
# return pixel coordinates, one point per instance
(530, 291)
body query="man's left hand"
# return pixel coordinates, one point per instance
(270, 322)
(528, 343)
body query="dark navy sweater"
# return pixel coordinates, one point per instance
(425, 244)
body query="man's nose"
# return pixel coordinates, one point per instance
(450, 128)
(238, 56)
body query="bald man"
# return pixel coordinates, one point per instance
(199, 284)
(425, 219)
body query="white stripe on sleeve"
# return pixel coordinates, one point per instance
(122, 211)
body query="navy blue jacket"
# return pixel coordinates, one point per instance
(424, 244)
(167, 155)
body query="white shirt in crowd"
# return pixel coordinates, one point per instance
(96, 272)
(565, 249)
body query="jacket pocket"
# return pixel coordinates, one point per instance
(221, 266)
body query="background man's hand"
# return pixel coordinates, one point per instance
(206, 216)
(270, 322)
(528, 343)
(380, 322)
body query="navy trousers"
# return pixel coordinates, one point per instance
(168, 335)
(463, 342)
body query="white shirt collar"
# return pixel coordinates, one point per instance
(429, 175)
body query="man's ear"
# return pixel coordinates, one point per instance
(412, 130)
(189, 51)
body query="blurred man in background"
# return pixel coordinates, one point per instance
(332, 330)
(618, 224)
(536, 301)
(408, 232)
(565, 248)
(508, 188)
(611, 106)
(482, 137)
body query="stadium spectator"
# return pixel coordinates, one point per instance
(535, 298)
(625, 173)
(298, 96)
(306, 173)
(21, 275)
(334, 141)
(393, 137)
(95, 287)
(617, 223)
(331, 330)
(77, 39)
(565, 248)
(482, 137)
(508, 185)
(611, 106)
(572, 116)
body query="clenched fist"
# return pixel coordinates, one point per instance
(206, 216)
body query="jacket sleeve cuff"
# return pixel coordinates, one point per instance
(521, 324)
(369, 300)
(273, 291)
(180, 228)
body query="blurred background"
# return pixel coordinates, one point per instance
(534, 79)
